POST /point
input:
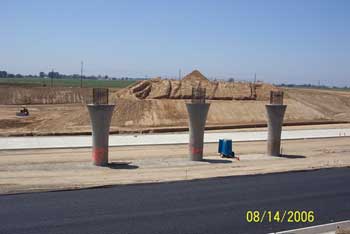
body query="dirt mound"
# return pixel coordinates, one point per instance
(195, 76)
(175, 89)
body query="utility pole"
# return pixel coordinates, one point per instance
(81, 74)
(179, 74)
(52, 73)
(254, 77)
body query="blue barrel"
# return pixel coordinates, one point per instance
(220, 149)
(225, 147)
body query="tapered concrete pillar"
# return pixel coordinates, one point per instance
(197, 113)
(100, 115)
(275, 114)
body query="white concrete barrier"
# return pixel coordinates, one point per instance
(42, 142)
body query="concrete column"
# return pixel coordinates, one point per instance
(100, 115)
(275, 114)
(197, 113)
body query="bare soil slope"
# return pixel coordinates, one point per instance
(14, 95)
(333, 104)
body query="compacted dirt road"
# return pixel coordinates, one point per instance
(57, 169)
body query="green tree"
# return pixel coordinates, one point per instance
(3, 74)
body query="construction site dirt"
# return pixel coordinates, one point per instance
(158, 105)
(163, 107)
(62, 169)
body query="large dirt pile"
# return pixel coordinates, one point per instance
(182, 89)
(196, 76)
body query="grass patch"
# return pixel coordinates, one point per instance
(41, 82)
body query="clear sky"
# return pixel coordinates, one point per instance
(282, 41)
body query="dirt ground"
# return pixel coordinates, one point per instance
(31, 95)
(57, 169)
(311, 106)
(165, 114)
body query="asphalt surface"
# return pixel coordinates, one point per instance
(205, 206)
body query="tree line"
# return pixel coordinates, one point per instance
(57, 75)
(312, 86)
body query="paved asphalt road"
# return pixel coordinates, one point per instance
(204, 206)
(37, 142)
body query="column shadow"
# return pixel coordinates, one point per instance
(216, 161)
(121, 165)
(291, 156)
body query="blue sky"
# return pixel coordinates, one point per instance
(282, 41)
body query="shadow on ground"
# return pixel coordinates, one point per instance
(121, 165)
(290, 156)
(216, 161)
